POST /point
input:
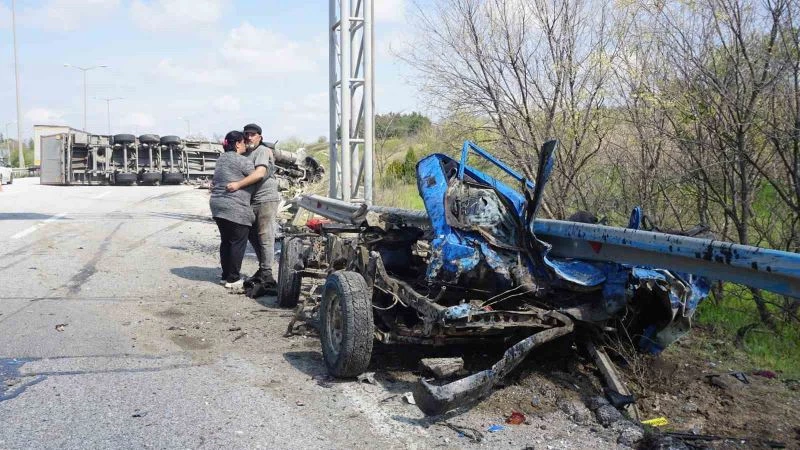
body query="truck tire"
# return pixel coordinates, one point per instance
(124, 139)
(288, 278)
(11, 178)
(167, 140)
(125, 179)
(172, 178)
(149, 139)
(152, 178)
(346, 326)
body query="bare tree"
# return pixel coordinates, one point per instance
(535, 68)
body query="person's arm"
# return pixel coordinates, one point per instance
(254, 177)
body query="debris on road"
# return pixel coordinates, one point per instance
(409, 398)
(495, 428)
(442, 367)
(61, 326)
(239, 336)
(656, 422)
(235, 329)
(472, 434)
(367, 377)
(516, 418)
(766, 374)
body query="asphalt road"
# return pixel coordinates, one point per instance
(115, 334)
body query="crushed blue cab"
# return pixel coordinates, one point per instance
(478, 224)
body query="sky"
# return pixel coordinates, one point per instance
(204, 66)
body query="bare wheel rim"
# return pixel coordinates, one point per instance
(335, 324)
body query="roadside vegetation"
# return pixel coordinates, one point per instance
(688, 109)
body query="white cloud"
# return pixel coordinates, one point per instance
(156, 15)
(139, 120)
(266, 51)
(390, 10)
(227, 103)
(205, 74)
(44, 116)
(68, 15)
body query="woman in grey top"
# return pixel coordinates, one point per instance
(232, 210)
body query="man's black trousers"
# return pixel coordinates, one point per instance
(233, 242)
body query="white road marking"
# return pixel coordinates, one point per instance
(33, 228)
(101, 195)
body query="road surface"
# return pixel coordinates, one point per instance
(114, 333)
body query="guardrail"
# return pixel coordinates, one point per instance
(772, 270)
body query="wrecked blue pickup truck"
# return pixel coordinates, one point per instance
(478, 265)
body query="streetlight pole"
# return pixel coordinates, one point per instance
(188, 126)
(84, 70)
(16, 82)
(108, 110)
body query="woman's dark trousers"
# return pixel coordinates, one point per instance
(233, 242)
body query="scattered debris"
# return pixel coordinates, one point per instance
(472, 434)
(239, 336)
(741, 377)
(710, 437)
(495, 428)
(442, 367)
(608, 415)
(174, 328)
(656, 422)
(409, 398)
(61, 326)
(139, 414)
(516, 418)
(367, 377)
(235, 329)
(766, 374)
(299, 403)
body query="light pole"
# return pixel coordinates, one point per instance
(188, 126)
(84, 70)
(8, 144)
(16, 82)
(108, 109)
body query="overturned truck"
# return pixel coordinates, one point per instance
(478, 265)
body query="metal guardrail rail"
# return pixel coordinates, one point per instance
(772, 270)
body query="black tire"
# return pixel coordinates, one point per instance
(11, 178)
(125, 179)
(124, 139)
(172, 178)
(167, 140)
(149, 139)
(288, 278)
(153, 178)
(346, 325)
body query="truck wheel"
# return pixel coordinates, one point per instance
(346, 324)
(11, 178)
(125, 179)
(153, 178)
(167, 140)
(288, 278)
(149, 139)
(124, 139)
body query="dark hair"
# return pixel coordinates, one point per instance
(229, 144)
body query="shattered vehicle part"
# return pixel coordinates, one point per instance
(477, 265)
(435, 400)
